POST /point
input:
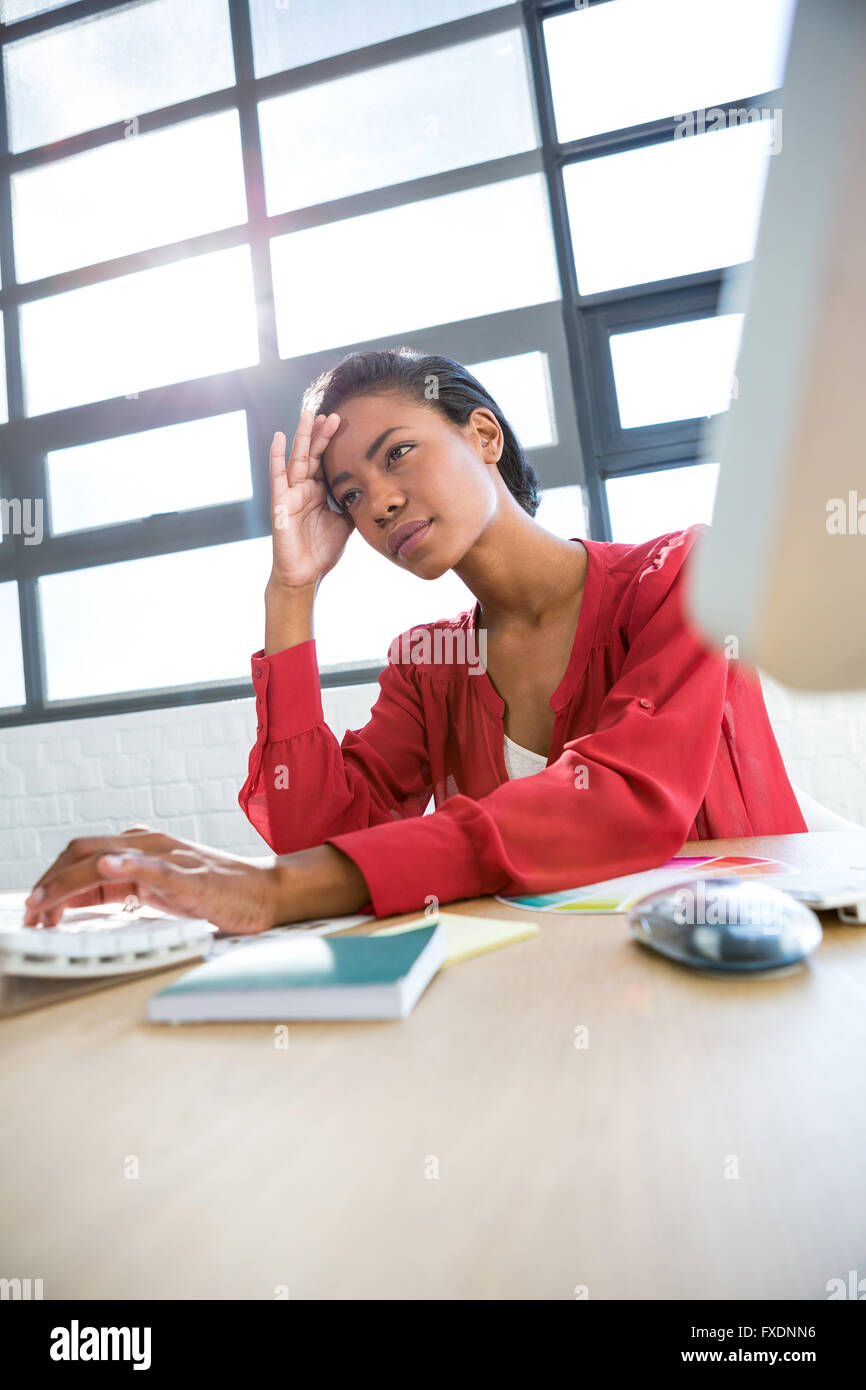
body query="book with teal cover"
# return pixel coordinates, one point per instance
(302, 977)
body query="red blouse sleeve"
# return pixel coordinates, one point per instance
(302, 784)
(620, 799)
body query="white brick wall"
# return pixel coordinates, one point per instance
(181, 769)
(822, 738)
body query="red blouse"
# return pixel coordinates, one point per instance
(658, 739)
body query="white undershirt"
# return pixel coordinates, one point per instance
(521, 762)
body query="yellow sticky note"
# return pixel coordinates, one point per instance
(469, 936)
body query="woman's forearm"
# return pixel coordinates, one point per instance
(319, 882)
(288, 617)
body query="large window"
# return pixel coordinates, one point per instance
(663, 118)
(204, 203)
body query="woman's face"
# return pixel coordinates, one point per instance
(392, 462)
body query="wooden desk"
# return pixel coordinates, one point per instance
(558, 1167)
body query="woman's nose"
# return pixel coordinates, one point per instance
(385, 509)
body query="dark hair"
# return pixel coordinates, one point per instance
(428, 380)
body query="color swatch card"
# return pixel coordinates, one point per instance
(618, 894)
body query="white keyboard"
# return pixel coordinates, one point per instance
(90, 942)
(842, 889)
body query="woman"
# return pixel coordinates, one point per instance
(570, 726)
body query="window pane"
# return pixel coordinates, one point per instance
(342, 137)
(619, 65)
(408, 267)
(677, 372)
(644, 505)
(362, 605)
(189, 319)
(365, 602)
(111, 67)
(289, 34)
(12, 10)
(146, 624)
(562, 510)
(197, 464)
(520, 386)
(674, 208)
(135, 193)
(11, 667)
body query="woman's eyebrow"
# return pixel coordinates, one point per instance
(376, 445)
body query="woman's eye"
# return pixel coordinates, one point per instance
(346, 500)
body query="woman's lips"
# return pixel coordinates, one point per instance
(413, 540)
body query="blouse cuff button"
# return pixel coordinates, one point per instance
(646, 704)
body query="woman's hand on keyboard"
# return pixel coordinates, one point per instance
(185, 879)
(176, 876)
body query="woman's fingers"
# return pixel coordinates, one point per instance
(140, 836)
(279, 483)
(117, 873)
(312, 438)
(92, 897)
(325, 429)
(299, 460)
(233, 894)
(174, 876)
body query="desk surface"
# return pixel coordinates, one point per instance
(311, 1167)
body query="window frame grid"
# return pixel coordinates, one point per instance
(608, 450)
(574, 333)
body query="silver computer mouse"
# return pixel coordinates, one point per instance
(726, 924)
